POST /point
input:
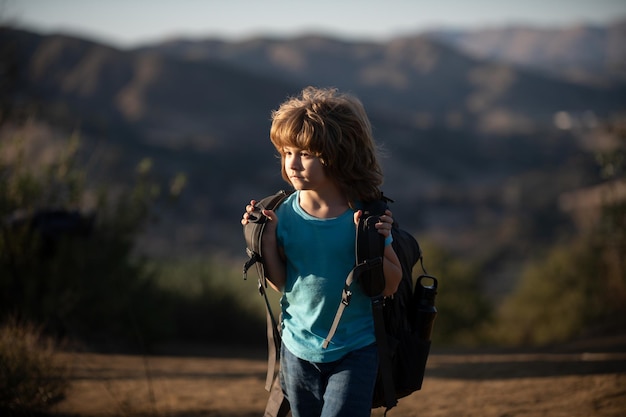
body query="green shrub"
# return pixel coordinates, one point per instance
(210, 302)
(462, 307)
(549, 304)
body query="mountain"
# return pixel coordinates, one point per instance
(473, 158)
(161, 99)
(580, 53)
(410, 78)
(192, 118)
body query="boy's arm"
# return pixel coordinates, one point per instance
(392, 271)
(273, 256)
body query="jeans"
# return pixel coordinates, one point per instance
(343, 388)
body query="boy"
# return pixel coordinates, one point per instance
(328, 156)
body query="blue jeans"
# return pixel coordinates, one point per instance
(343, 388)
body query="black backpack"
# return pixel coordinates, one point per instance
(402, 323)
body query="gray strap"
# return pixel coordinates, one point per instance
(273, 338)
(345, 301)
(277, 404)
(347, 294)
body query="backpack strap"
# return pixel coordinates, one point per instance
(357, 271)
(277, 405)
(384, 353)
(253, 233)
(368, 271)
(370, 245)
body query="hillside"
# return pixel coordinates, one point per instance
(473, 158)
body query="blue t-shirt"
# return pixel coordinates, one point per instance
(320, 253)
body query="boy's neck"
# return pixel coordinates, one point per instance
(327, 204)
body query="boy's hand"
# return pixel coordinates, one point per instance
(246, 214)
(383, 225)
(250, 208)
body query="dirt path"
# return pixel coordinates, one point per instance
(456, 385)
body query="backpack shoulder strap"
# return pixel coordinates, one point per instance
(369, 246)
(253, 233)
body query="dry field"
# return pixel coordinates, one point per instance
(576, 381)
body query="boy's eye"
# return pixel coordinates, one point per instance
(303, 154)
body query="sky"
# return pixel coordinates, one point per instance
(129, 23)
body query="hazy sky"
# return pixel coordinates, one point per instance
(126, 23)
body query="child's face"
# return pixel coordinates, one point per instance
(304, 169)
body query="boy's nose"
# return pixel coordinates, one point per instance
(294, 164)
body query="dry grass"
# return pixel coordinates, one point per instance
(31, 376)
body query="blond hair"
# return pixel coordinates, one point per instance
(335, 128)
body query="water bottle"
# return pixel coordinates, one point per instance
(425, 304)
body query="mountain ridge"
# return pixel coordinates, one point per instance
(399, 73)
(582, 53)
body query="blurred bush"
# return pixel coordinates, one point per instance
(31, 376)
(67, 266)
(68, 261)
(210, 301)
(461, 304)
(578, 289)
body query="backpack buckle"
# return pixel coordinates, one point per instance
(346, 296)
(254, 258)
